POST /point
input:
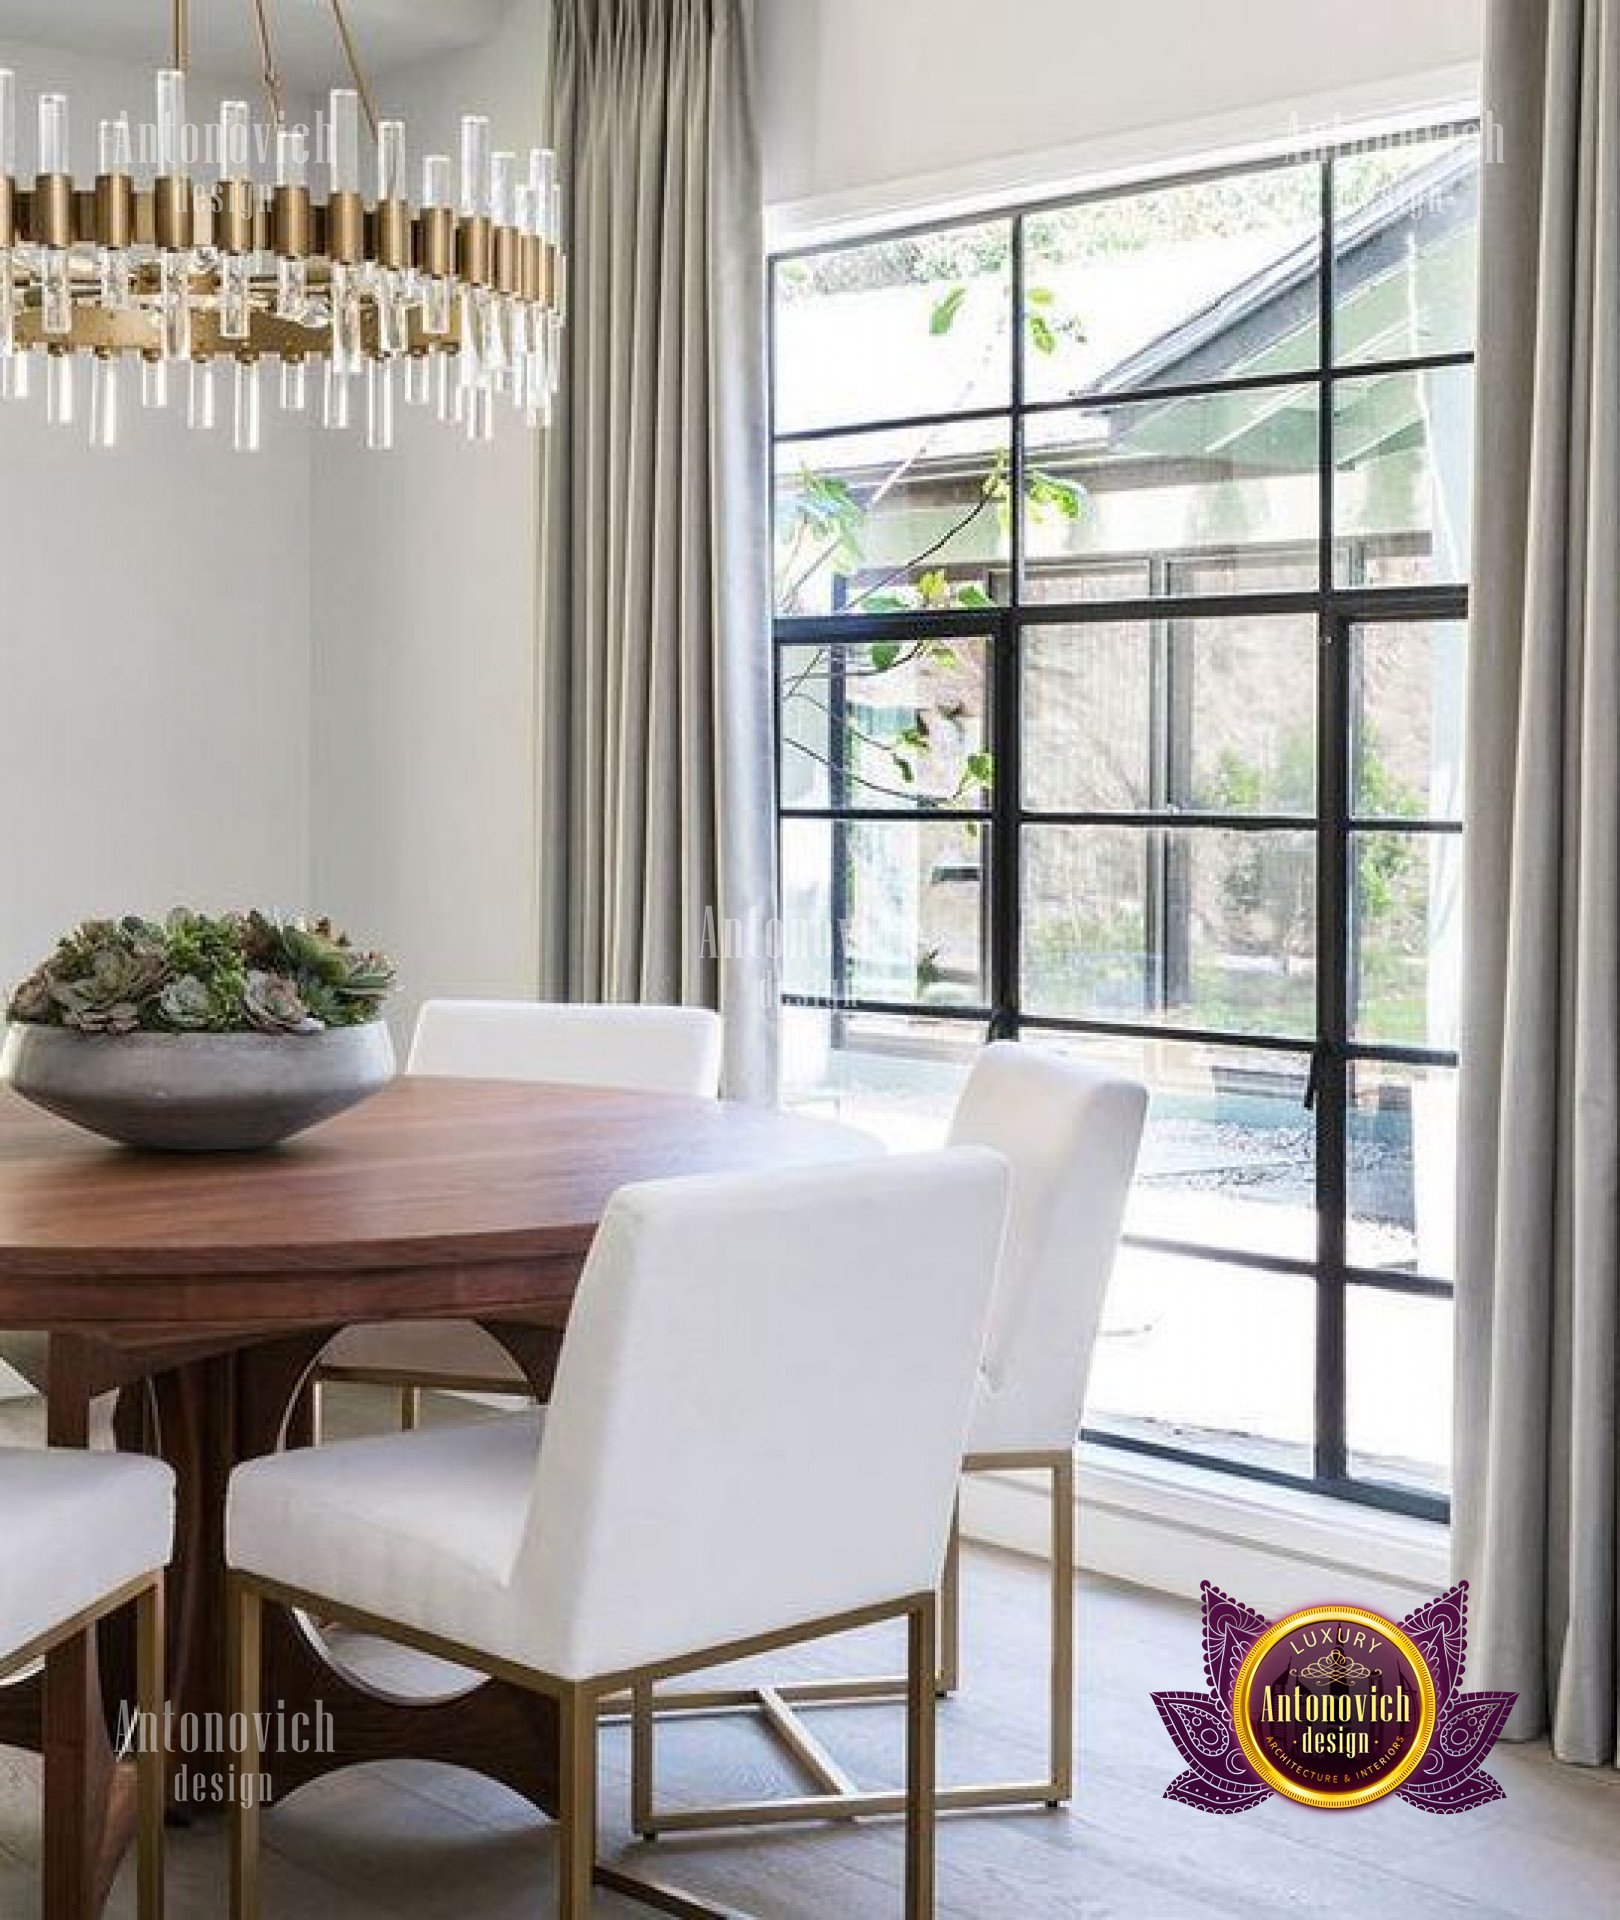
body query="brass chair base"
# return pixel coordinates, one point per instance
(410, 1388)
(836, 1795)
(579, 1710)
(151, 1762)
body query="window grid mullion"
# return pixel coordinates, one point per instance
(1336, 607)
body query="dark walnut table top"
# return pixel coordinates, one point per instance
(438, 1195)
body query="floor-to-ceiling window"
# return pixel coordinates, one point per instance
(1121, 563)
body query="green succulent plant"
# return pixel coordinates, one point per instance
(204, 973)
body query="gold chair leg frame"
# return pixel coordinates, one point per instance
(837, 1797)
(579, 1708)
(151, 1761)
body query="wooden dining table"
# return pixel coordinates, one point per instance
(202, 1288)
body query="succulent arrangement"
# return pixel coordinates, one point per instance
(204, 973)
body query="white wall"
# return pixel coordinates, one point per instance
(857, 93)
(424, 776)
(154, 644)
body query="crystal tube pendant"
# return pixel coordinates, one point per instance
(171, 124)
(59, 395)
(200, 397)
(174, 300)
(113, 263)
(335, 400)
(235, 167)
(418, 380)
(438, 308)
(393, 323)
(346, 337)
(55, 284)
(55, 292)
(174, 264)
(294, 386)
(380, 406)
(154, 382)
(16, 376)
(245, 413)
(392, 282)
(481, 414)
(469, 369)
(8, 308)
(235, 295)
(345, 109)
(446, 390)
(104, 402)
(8, 124)
(492, 335)
(475, 172)
(292, 288)
(292, 271)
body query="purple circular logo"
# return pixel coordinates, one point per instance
(1334, 1706)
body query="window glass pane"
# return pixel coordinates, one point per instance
(1196, 927)
(888, 723)
(1173, 483)
(900, 904)
(1407, 719)
(1228, 1158)
(1201, 715)
(876, 522)
(894, 328)
(1398, 1388)
(1198, 1354)
(1406, 937)
(1403, 489)
(1405, 249)
(1176, 285)
(1402, 1173)
(1051, 579)
(897, 1076)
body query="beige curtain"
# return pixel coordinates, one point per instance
(657, 806)
(1538, 1325)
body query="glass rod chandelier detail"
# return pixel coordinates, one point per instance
(183, 263)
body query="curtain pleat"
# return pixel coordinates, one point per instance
(657, 781)
(1537, 1321)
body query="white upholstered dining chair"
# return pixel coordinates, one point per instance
(637, 1048)
(86, 1534)
(1070, 1134)
(684, 1497)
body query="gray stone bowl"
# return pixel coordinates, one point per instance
(197, 1092)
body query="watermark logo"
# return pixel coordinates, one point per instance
(1334, 1707)
(206, 1748)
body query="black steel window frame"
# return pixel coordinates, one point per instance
(1338, 611)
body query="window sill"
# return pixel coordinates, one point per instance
(1161, 1525)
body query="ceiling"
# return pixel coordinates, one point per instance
(224, 40)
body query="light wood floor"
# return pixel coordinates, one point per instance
(416, 1842)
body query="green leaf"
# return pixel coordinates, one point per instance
(969, 594)
(1039, 296)
(1042, 335)
(943, 318)
(884, 654)
(1049, 493)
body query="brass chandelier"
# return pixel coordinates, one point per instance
(183, 261)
